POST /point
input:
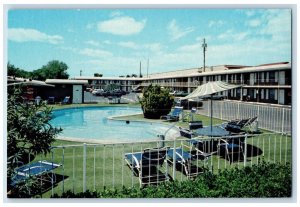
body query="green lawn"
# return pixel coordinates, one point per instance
(106, 165)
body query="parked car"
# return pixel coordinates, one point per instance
(95, 91)
(214, 97)
(181, 93)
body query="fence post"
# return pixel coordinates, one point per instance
(84, 167)
(282, 121)
(174, 159)
(245, 150)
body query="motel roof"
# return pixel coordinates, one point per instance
(67, 81)
(195, 72)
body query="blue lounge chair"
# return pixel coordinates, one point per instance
(203, 149)
(183, 162)
(42, 170)
(146, 165)
(231, 149)
(238, 125)
(66, 100)
(174, 116)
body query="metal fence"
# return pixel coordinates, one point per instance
(272, 118)
(98, 166)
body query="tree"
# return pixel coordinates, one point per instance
(28, 130)
(98, 75)
(53, 70)
(156, 101)
(17, 72)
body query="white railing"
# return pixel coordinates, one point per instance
(273, 118)
(96, 166)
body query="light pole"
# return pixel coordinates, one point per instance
(204, 45)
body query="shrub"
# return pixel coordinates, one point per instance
(156, 101)
(28, 133)
(264, 180)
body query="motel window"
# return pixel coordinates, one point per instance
(276, 94)
(267, 94)
(272, 94)
(276, 76)
(262, 77)
(262, 93)
(272, 77)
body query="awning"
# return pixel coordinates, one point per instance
(210, 88)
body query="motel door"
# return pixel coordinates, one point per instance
(77, 94)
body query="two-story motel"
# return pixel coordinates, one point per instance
(268, 83)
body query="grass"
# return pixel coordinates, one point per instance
(107, 168)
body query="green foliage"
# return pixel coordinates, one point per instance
(28, 130)
(26, 189)
(53, 70)
(156, 102)
(265, 180)
(17, 72)
(98, 75)
(112, 86)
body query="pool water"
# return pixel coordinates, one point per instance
(93, 123)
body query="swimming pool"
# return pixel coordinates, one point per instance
(95, 124)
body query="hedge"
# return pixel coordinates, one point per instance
(264, 180)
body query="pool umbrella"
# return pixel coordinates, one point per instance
(210, 88)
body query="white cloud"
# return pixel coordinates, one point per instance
(121, 26)
(93, 43)
(250, 13)
(254, 23)
(107, 42)
(231, 35)
(215, 23)
(32, 35)
(131, 45)
(116, 13)
(176, 32)
(278, 25)
(95, 53)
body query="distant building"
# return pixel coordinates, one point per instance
(268, 83)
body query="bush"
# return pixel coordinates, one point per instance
(28, 133)
(156, 102)
(264, 180)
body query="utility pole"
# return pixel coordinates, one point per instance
(204, 45)
(140, 69)
(147, 67)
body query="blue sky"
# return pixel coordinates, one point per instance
(114, 41)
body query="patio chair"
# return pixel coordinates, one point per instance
(66, 100)
(42, 170)
(146, 165)
(174, 116)
(183, 162)
(231, 149)
(204, 149)
(237, 126)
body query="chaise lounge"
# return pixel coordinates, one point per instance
(146, 165)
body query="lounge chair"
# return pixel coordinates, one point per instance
(146, 165)
(42, 170)
(66, 100)
(204, 149)
(183, 162)
(174, 116)
(231, 149)
(237, 126)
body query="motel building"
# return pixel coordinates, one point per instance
(267, 83)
